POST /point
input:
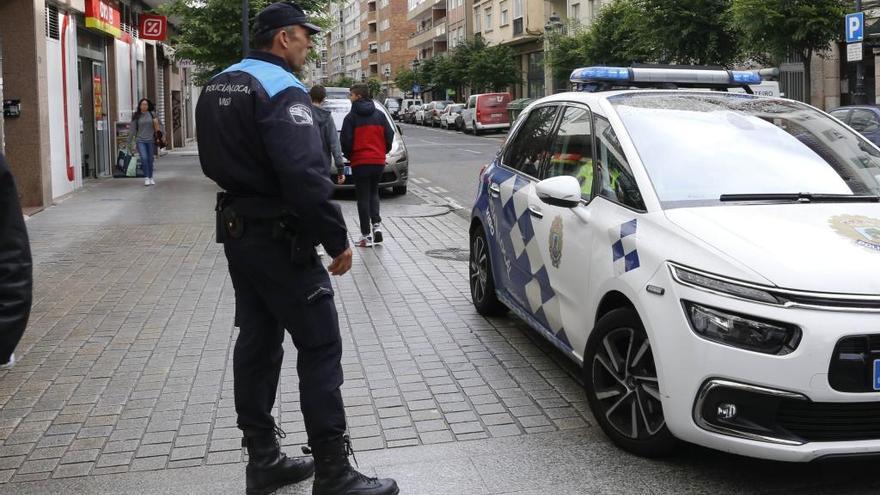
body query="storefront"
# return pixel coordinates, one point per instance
(102, 25)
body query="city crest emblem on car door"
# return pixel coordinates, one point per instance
(555, 242)
(865, 231)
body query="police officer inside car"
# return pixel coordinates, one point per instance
(258, 142)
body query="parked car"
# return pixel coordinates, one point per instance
(393, 106)
(421, 111)
(487, 111)
(437, 108)
(710, 260)
(407, 103)
(337, 93)
(449, 115)
(411, 111)
(396, 174)
(865, 119)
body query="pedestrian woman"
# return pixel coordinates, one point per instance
(144, 126)
(16, 271)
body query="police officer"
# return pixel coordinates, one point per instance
(258, 142)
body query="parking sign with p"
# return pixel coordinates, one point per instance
(855, 27)
(153, 27)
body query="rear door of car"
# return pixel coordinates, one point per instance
(492, 108)
(467, 114)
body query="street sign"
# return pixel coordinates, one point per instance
(855, 27)
(416, 89)
(153, 27)
(854, 52)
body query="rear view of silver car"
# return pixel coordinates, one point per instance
(396, 172)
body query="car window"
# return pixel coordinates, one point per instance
(571, 150)
(613, 175)
(864, 120)
(472, 102)
(527, 150)
(841, 114)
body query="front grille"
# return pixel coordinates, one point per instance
(852, 364)
(828, 422)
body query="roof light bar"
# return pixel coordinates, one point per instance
(646, 76)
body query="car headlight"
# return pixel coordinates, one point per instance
(719, 284)
(742, 331)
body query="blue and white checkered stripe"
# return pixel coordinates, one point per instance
(624, 247)
(529, 280)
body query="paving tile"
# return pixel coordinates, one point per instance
(73, 470)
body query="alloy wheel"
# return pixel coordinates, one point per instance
(479, 268)
(625, 384)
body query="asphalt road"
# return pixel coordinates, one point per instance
(443, 165)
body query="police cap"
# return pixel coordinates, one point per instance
(282, 14)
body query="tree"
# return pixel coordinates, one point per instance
(405, 79)
(444, 73)
(211, 34)
(375, 86)
(494, 68)
(775, 29)
(342, 82)
(619, 36)
(693, 31)
(566, 52)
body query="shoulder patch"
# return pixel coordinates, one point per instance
(301, 114)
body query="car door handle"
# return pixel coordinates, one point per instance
(535, 212)
(494, 190)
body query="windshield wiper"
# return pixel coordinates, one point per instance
(801, 197)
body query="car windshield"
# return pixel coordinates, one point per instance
(697, 148)
(338, 108)
(440, 105)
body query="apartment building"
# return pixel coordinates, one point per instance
(429, 37)
(385, 49)
(459, 22)
(344, 43)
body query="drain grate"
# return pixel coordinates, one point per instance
(452, 254)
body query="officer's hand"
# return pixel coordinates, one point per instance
(341, 264)
(340, 179)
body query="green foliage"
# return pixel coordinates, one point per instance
(493, 68)
(404, 79)
(566, 52)
(342, 82)
(619, 36)
(375, 86)
(210, 30)
(774, 29)
(691, 31)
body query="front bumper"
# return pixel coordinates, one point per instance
(794, 412)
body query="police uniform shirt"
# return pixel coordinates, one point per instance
(257, 138)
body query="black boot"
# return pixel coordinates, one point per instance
(268, 469)
(335, 476)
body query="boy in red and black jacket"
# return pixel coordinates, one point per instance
(366, 138)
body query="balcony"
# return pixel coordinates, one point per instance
(425, 7)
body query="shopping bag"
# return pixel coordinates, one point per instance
(121, 161)
(131, 169)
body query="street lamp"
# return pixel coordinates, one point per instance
(415, 67)
(554, 25)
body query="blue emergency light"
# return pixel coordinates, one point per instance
(601, 77)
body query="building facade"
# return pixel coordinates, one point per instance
(387, 45)
(72, 72)
(428, 35)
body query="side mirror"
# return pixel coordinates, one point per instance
(564, 191)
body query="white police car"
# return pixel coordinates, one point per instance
(711, 258)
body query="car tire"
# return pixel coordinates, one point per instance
(619, 367)
(476, 131)
(482, 282)
(399, 190)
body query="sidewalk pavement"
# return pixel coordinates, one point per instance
(124, 383)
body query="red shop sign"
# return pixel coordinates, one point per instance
(153, 27)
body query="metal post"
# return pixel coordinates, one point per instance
(245, 29)
(859, 97)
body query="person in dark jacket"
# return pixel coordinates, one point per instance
(329, 134)
(16, 269)
(366, 138)
(259, 143)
